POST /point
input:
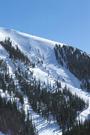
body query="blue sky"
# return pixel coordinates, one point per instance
(66, 21)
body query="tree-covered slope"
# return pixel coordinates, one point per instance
(77, 61)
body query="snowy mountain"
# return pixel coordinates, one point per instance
(36, 50)
(35, 62)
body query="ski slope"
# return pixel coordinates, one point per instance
(41, 52)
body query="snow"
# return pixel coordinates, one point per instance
(39, 49)
(44, 127)
(83, 95)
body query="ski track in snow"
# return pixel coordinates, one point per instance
(37, 48)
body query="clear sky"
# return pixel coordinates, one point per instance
(66, 21)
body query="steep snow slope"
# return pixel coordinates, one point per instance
(41, 52)
(39, 49)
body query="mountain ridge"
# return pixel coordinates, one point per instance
(29, 35)
(44, 66)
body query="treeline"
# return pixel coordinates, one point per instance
(61, 104)
(3, 66)
(14, 53)
(13, 121)
(4, 76)
(79, 129)
(77, 62)
(7, 82)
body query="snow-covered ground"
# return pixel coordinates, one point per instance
(41, 52)
(44, 127)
